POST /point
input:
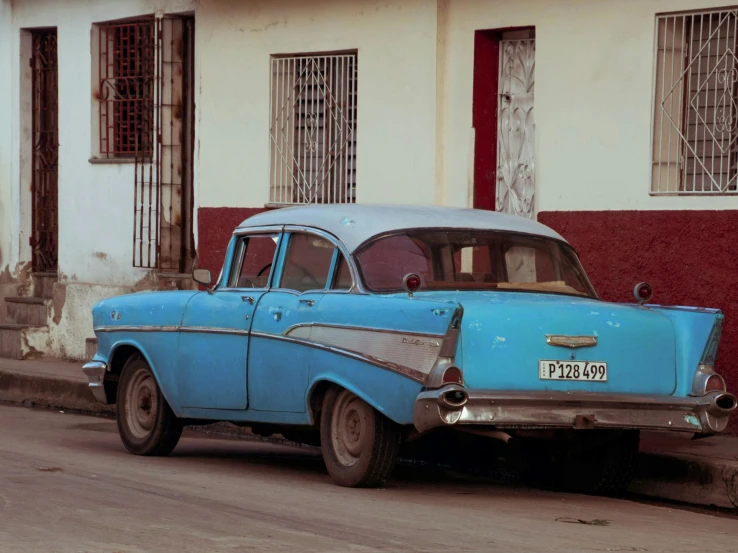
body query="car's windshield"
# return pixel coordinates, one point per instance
(472, 260)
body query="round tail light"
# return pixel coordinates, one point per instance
(411, 282)
(714, 383)
(452, 375)
(642, 292)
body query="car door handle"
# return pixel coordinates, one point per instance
(309, 303)
(248, 299)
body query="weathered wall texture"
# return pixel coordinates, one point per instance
(95, 200)
(396, 91)
(594, 68)
(6, 196)
(215, 228)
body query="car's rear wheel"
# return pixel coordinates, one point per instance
(146, 423)
(359, 444)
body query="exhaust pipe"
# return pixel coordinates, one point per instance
(723, 404)
(455, 398)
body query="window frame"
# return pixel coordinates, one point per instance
(109, 154)
(236, 258)
(505, 235)
(332, 273)
(659, 161)
(280, 194)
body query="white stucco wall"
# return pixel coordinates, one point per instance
(96, 200)
(396, 91)
(593, 100)
(7, 256)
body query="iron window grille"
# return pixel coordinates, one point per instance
(313, 129)
(695, 138)
(127, 69)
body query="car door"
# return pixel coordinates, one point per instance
(214, 339)
(279, 367)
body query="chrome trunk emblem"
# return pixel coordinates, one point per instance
(571, 341)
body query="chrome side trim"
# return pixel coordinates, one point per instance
(95, 371)
(366, 328)
(572, 342)
(214, 330)
(415, 351)
(513, 409)
(154, 328)
(381, 363)
(136, 328)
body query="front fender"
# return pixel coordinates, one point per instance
(155, 348)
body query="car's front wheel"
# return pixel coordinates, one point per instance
(146, 423)
(359, 444)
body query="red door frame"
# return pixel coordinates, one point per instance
(484, 113)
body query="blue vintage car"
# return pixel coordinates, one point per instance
(361, 327)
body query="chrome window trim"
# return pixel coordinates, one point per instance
(356, 284)
(238, 257)
(369, 241)
(412, 374)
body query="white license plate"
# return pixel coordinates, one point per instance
(591, 371)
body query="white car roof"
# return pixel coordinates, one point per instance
(353, 224)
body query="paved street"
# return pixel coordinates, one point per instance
(67, 485)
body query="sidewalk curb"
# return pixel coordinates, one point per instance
(687, 479)
(44, 391)
(677, 476)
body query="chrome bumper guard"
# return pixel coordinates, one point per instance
(455, 405)
(95, 371)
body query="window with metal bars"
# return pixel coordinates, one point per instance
(313, 129)
(695, 138)
(127, 73)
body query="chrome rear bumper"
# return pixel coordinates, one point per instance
(454, 405)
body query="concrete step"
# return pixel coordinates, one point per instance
(43, 284)
(22, 341)
(27, 310)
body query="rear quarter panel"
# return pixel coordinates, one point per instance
(390, 393)
(692, 328)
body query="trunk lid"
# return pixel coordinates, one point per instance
(503, 339)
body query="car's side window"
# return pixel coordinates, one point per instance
(254, 259)
(307, 262)
(342, 279)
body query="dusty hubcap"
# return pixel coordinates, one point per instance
(348, 426)
(141, 404)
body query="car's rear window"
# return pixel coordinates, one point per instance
(473, 260)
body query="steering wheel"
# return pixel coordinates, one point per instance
(263, 269)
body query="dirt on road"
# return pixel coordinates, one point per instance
(68, 485)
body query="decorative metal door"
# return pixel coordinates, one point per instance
(516, 128)
(45, 136)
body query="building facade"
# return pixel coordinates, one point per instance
(128, 155)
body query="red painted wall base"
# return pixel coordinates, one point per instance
(214, 228)
(689, 257)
